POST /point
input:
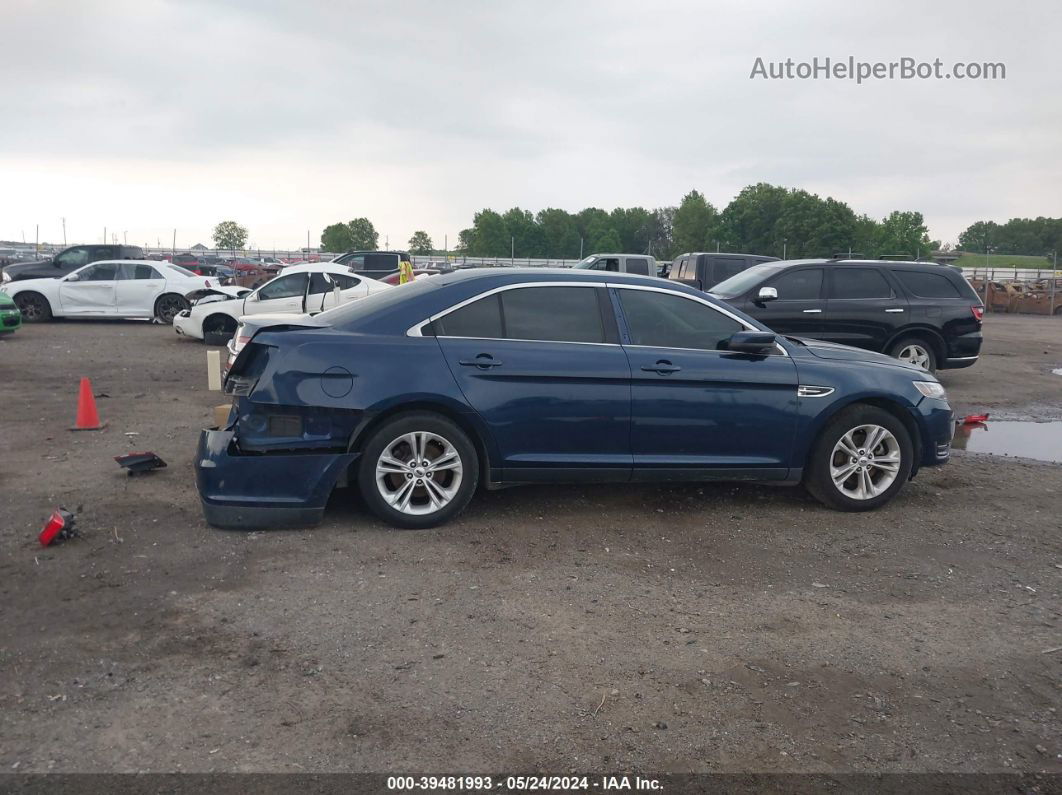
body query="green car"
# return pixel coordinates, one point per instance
(10, 317)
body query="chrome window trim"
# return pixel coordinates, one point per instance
(416, 330)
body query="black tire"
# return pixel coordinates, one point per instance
(818, 479)
(218, 329)
(388, 437)
(34, 307)
(905, 346)
(168, 306)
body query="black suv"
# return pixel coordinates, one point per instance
(67, 260)
(921, 313)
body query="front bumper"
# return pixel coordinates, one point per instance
(185, 326)
(270, 490)
(10, 320)
(936, 423)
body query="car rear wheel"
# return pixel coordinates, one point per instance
(418, 470)
(916, 351)
(860, 460)
(34, 307)
(168, 306)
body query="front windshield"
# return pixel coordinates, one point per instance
(740, 283)
(586, 263)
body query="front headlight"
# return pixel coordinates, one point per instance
(931, 389)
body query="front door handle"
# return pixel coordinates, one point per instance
(483, 361)
(893, 310)
(663, 367)
(812, 311)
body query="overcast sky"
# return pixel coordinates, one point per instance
(286, 116)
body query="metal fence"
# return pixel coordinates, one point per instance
(1018, 290)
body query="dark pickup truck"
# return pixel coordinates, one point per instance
(704, 271)
(67, 260)
(373, 264)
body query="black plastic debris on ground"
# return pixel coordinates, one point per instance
(137, 463)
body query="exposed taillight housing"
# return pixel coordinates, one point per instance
(248, 367)
(978, 312)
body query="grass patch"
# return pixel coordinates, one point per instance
(973, 260)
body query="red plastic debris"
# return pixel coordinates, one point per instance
(974, 419)
(59, 527)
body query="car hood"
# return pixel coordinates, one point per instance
(831, 350)
(210, 294)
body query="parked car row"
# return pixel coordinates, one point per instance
(110, 288)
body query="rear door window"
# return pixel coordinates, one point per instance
(135, 271)
(481, 319)
(556, 314)
(849, 283)
(927, 285)
(798, 285)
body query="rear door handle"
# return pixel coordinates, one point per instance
(812, 311)
(663, 367)
(893, 310)
(484, 362)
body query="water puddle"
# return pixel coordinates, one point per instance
(1039, 440)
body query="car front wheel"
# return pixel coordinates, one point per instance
(418, 470)
(34, 307)
(861, 460)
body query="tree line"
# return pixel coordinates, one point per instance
(762, 219)
(1033, 236)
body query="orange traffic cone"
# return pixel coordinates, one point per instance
(88, 419)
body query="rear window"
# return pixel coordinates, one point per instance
(638, 265)
(849, 283)
(927, 285)
(180, 270)
(725, 267)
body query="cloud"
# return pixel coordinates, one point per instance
(286, 116)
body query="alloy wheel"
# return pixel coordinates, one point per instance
(914, 354)
(30, 306)
(865, 462)
(169, 307)
(419, 473)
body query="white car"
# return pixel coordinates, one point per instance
(126, 288)
(300, 289)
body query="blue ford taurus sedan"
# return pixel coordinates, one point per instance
(421, 393)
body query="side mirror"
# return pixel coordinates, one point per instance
(766, 294)
(73, 277)
(757, 342)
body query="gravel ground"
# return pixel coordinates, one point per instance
(645, 628)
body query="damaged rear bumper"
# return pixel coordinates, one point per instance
(264, 490)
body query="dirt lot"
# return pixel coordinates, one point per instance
(651, 628)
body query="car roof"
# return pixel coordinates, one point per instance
(832, 262)
(317, 267)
